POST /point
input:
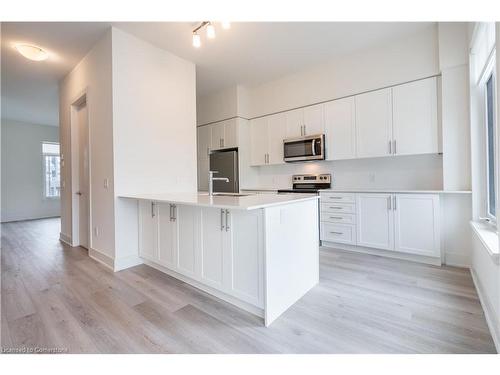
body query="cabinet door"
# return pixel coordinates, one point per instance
(373, 123)
(204, 141)
(203, 164)
(148, 230)
(188, 245)
(244, 253)
(258, 141)
(340, 129)
(415, 117)
(276, 128)
(375, 221)
(212, 220)
(417, 224)
(230, 137)
(314, 120)
(294, 123)
(217, 130)
(167, 236)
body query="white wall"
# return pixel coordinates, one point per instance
(22, 171)
(154, 130)
(217, 106)
(92, 74)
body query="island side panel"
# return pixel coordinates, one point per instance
(291, 255)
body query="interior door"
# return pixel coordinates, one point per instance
(258, 141)
(340, 129)
(375, 221)
(374, 124)
(417, 224)
(294, 123)
(167, 236)
(276, 134)
(314, 121)
(83, 176)
(415, 117)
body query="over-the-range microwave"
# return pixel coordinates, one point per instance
(311, 147)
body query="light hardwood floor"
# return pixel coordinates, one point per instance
(55, 296)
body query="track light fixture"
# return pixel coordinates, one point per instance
(210, 30)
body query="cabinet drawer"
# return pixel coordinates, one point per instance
(336, 218)
(338, 198)
(342, 233)
(343, 208)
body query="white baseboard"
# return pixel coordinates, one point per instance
(383, 253)
(223, 296)
(102, 258)
(491, 319)
(66, 239)
(127, 262)
(457, 260)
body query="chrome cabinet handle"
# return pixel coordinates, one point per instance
(394, 206)
(389, 205)
(152, 209)
(221, 219)
(336, 208)
(170, 207)
(390, 147)
(208, 151)
(336, 232)
(336, 217)
(227, 220)
(174, 213)
(335, 197)
(394, 147)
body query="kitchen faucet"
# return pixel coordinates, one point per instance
(211, 180)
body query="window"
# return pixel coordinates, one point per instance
(490, 146)
(51, 170)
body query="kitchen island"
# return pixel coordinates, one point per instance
(258, 252)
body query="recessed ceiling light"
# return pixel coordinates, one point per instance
(32, 52)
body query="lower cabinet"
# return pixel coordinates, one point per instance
(404, 223)
(220, 248)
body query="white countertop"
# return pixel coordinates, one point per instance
(402, 191)
(249, 202)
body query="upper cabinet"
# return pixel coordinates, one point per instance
(415, 121)
(374, 124)
(204, 141)
(340, 129)
(399, 120)
(224, 134)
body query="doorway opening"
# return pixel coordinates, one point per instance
(80, 173)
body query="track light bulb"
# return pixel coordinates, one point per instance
(210, 31)
(196, 40)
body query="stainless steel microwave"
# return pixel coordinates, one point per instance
(311, 147)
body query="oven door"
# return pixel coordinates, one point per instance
(304, 148)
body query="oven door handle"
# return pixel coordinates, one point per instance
(314, 147)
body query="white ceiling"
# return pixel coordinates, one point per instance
(249, 53)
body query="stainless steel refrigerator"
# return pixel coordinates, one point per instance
(226, 163)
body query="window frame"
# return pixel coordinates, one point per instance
(44, 169)
(490, 72)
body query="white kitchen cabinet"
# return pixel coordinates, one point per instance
(258, 141)
(375, 221)
(167, 235)
(203, 165)
(213, 236)
(374, 124)
(244, 251)
(186, 222)
(340, 129)
(148, 230)
(416, 219)
(230, 138)
(204, 141)
(314, 120)
(276, 131)
(217, 135)
(294, 123)
(415, 122)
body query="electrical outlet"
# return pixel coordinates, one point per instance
(106, 183)
(96, 231)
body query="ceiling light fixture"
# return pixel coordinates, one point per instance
(210, 31)
(32, 52)
(196, 40)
